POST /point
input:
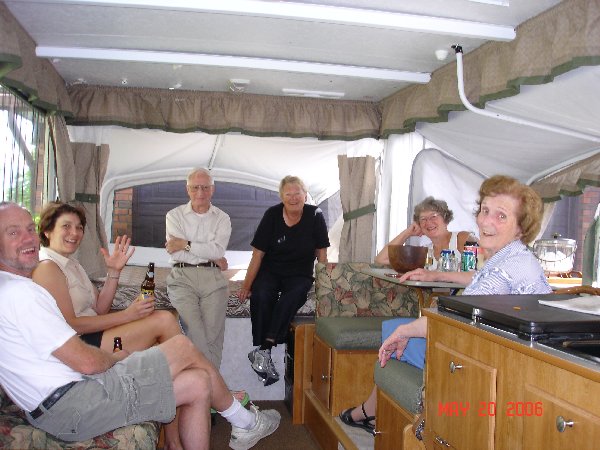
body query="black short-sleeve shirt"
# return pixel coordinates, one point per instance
(290, 250)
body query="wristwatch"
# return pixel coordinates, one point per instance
(188, 247)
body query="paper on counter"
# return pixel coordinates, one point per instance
(588, 304)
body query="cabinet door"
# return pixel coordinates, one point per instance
(391, 421)
(321, 371)
(461, 396)
(545, 415)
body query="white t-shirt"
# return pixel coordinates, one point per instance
(31, 328)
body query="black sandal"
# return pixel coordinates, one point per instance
(365, 424)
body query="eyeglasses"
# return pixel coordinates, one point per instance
(197, 187)
(423, 220)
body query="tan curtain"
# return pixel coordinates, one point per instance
(65, 165)
(90, 163)
(219, 112)
(569, 181)
(558, 40)
(357, 192)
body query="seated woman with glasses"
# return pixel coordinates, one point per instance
(429, 228)
(431, 218)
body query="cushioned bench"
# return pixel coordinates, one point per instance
(402, 382)
(16, 433)
(350, 333)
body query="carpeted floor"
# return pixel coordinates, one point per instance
(287, 436)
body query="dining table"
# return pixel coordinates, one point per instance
(426, 291)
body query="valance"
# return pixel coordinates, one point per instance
(220, 112)
(558, 40)
(569, 181)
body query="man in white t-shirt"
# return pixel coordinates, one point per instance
(75, 391)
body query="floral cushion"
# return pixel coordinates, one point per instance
(16, 433)
(342, 290)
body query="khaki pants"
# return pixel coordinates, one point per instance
(200, 296)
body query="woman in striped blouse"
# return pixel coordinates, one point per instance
(509, 217)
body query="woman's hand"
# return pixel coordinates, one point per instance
(414, 229)
(396, 342)
(243, 294)
(141, 307)
(419, 275)
(122, 251)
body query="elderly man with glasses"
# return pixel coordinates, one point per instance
(197, 237)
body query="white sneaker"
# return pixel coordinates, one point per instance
(267, 422)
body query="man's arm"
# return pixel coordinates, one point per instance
(86, 359)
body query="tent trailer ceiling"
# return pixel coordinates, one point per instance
(350, 49)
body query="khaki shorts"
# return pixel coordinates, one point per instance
(134, 390)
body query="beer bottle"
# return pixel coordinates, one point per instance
(148, 283)
(118, 345)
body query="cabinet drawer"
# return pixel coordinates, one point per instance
(457, 385)
(542, 414)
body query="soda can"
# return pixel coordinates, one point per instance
(445, 264)
(469, 261)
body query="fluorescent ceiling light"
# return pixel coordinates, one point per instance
(321, 13)
(231, 61)
(317, 94)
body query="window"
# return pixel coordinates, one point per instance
(140, 211)
(27, 176)
(571, 219)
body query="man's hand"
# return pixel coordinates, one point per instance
(175, 244)
(222, 263)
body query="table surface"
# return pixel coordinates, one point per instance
(391, 276)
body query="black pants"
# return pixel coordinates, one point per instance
(274, 303)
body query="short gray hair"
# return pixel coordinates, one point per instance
(291, 179)
(438, 206)
(198, 170)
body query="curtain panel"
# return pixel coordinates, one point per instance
(221, 112)
(21, 70)
(558, 40)
(357, 193)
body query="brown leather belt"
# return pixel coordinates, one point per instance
(205, 264)
(52, 399)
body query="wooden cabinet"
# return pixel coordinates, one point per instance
(391, 424)
(456, 386)
(560, 424)
(321, 371)
(341, 378)
(485, 390)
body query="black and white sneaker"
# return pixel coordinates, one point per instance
(263, 365)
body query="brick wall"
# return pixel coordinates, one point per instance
(122, 216)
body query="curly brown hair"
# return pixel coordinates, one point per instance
(432, 204)
(50, 214)
(529, 215)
